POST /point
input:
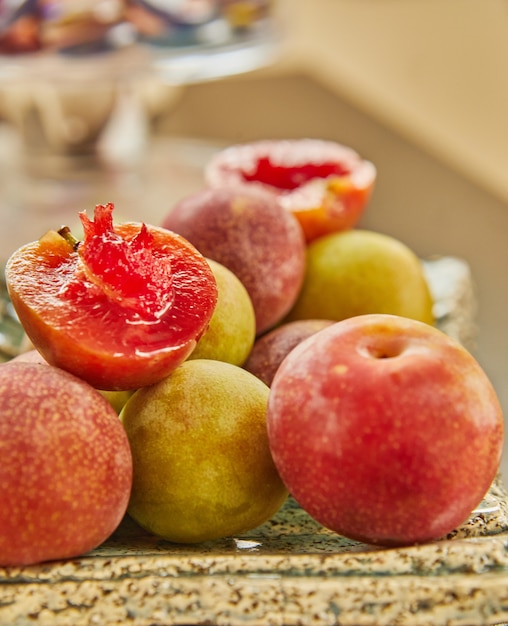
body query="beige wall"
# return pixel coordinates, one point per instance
(428, 86)
(434, 70)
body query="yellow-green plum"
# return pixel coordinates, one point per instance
(232, 329)
(117, 399)
(202, 464)
(356, 272)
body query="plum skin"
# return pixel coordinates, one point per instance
(245, 230)
(385, 430)
(359, 271)
(66, 470)
(231, 332)
(202, 464)
(270, 349)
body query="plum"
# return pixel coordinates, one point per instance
(232, 328)
(270, 350)
(66, 469)
(120, 309)
(247, 231)
(385, 429)
(116, 398)
(202, 465)
(356, 272)
(324, 184)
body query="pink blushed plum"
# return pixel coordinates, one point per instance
(385, 430)
(247, 231)
(270, 349)
(66, 465)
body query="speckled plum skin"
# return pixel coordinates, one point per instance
(202, 465)
(116, 398)
(248, 232)
(66, 466)
(385, 430)
(270, 349)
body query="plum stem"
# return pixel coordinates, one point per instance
(66, 233)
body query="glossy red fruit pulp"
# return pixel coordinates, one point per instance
(128, 271)
(121, 309)
(324, 184)
(292, 177)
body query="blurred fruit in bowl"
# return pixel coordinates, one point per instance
(96, 26)
(59, 25)
(244, 14)
(358, 271)
(19, 29)
(324, 184)
(66, 470)
(385, 430)
(202, 465)
(182, 11)
(247, 231)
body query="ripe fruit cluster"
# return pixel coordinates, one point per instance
(255, 343)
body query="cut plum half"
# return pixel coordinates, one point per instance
(120, 309)
(324, 184)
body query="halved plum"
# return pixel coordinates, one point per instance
(324, 184)
(120, 309)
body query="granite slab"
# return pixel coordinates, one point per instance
(289, 571)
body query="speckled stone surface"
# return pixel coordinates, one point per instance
(290, 571)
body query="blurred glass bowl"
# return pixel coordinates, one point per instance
(179, 40)
(81, 80)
